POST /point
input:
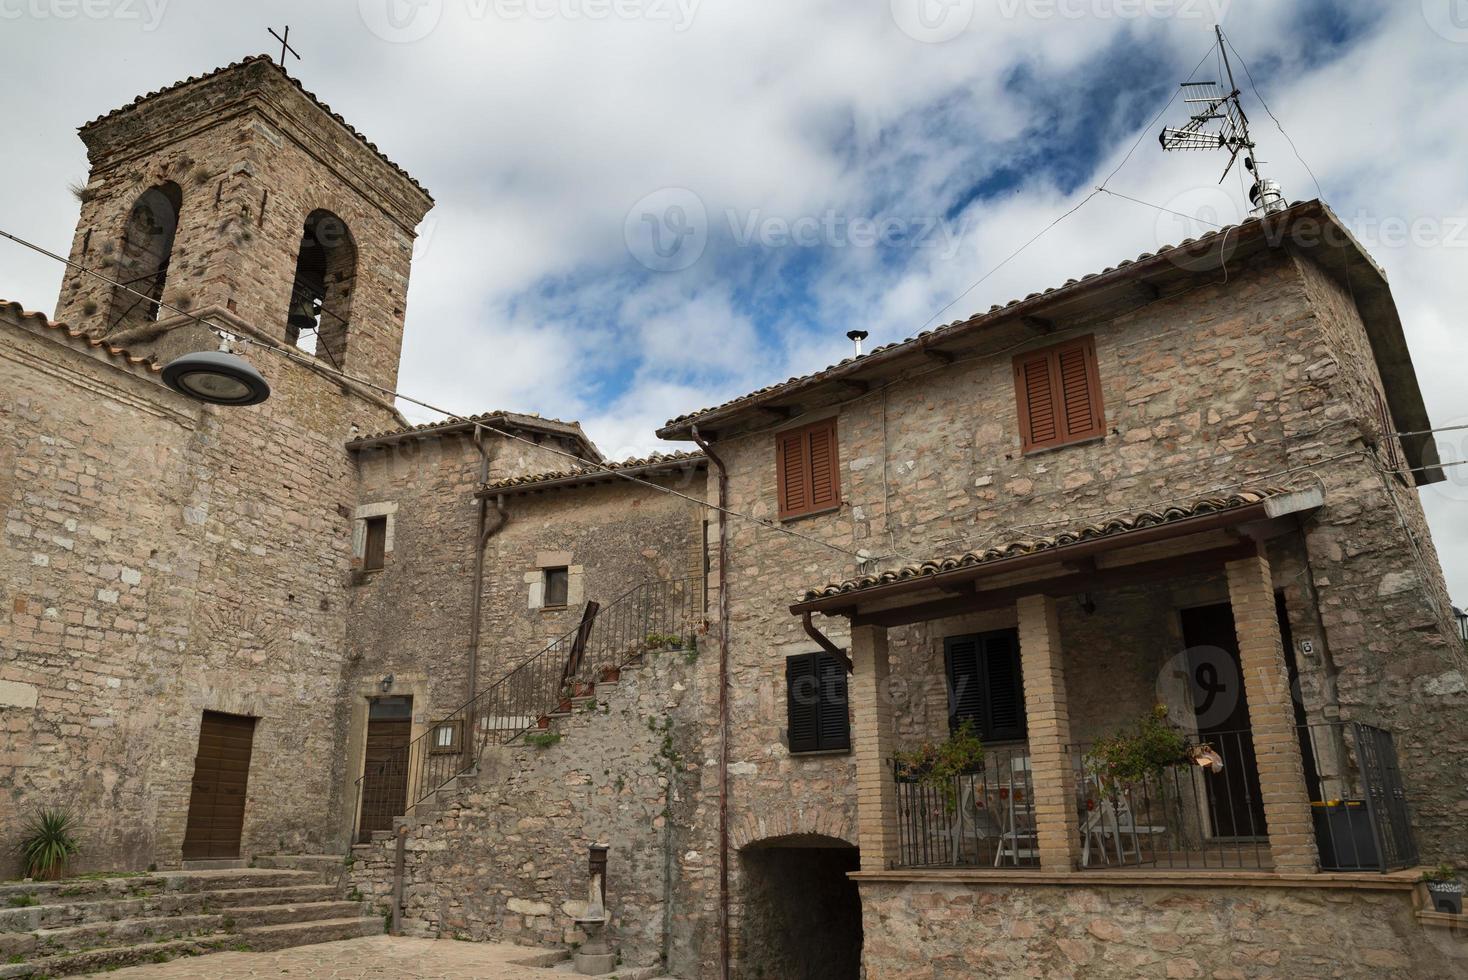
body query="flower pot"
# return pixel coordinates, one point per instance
(1447, 896)
(583, 689)
(543, 722)
(564, 706)
(610, 675)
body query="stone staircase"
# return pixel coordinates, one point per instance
(98, 923)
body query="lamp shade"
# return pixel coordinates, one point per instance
(217, 377)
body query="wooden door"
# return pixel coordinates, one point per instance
(385, 770)
(1222, 707)
(217, 801)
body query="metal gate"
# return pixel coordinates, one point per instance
(1386, 799)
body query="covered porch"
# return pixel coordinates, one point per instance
(1072, 655)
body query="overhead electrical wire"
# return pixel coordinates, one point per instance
(228, 335)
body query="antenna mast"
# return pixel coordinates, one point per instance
(1215, 105)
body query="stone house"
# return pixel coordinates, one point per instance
(462, 654)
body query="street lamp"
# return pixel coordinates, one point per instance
(217, 377)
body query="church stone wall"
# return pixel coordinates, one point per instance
(162, 558)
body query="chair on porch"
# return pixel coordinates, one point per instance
(975, 816)
(1112, 817)
(1018, 837)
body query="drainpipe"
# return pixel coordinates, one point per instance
(487, 530)
(723, 602)
(399, 859)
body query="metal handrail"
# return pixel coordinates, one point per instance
(655, 612)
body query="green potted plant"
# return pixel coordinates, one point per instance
(1149, 747)
(1446, 889)
(939, 764)
(46, 843)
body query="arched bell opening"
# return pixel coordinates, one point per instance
(321, 292)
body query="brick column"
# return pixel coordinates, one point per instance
(872, 739)
(1271, 716)
(1057, 823)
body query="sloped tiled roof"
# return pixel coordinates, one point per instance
(656, 462)
(517, 420)
(265, 59)
(1021, 547)
(938, 334)
(79, 339)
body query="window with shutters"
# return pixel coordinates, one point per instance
(985, 684)
(807, 470)
(815, 698)
(1059, 394)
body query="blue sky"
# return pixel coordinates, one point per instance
(557, 135)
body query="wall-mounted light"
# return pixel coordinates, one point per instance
(386, 683)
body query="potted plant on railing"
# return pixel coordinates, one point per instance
(1150, 747)
(938, 765)
(1445, 888)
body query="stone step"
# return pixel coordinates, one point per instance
(331, 864)
(221, 864)
(12, 893)
(255, 897)
(113, 957)
(248, 916)
(229, 879)
(93, 935)
(262, 938)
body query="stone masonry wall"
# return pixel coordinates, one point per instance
(162, 558)
(506, 858)
(925, 931)
(1220, 385)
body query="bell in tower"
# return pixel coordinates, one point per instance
(308, 289)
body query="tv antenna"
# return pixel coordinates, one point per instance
(1219, 122)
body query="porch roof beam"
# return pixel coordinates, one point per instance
(1072, 583)
(1271, 512)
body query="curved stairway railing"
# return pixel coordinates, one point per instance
(650, 615)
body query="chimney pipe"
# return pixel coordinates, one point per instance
(856, 337)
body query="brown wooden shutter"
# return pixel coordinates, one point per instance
(821, 440)
(1037, 419)
(807, 469)
(375, 549)
(1059, 394)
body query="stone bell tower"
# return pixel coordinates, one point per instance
(238, 195)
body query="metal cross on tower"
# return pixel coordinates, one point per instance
(285, 44)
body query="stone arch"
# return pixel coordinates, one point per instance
(321, 292)
(755, 828)
(143, 258)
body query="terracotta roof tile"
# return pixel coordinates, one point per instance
(949, 328)
(655, 461)
(78, 338)
(266, 59)
(1032, 545)
(519, 420)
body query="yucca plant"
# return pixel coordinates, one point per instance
(47, 844)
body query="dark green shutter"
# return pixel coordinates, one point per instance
(835, 722)
(815, 699)
(985, 684)
(802, 699)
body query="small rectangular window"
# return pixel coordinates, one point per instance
(807, 469)
(446, 737)
(815, 699)
(985, 685)
(374, 551)
(557, 586)
(1059, 394)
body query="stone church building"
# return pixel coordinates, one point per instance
(450, 668)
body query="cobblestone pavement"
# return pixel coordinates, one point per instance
(376, 957)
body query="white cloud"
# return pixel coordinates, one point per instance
(537, 135)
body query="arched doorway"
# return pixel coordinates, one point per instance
(800, 913)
